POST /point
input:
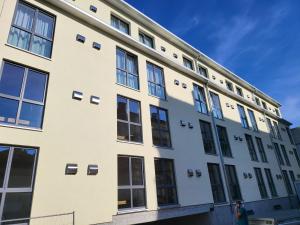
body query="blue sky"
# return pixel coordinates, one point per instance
(259, 40)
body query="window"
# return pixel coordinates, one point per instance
(257, 101)
(278, 154)
(239, 91)
(131, 183)
(287, 182)
(296, 156)
(285, 155)
(276, 129)
(292, 175)
(146, 40)
(261, 183)
(229, 85)
(216, 183)
(251, 147)
(120, 24)
(290, 135)
(32, 29)
(252, 120)
(271, 183)
(165, 182)
(271, 129)
(160, 127)
(216, 106)
(207, 137)
(127, 69)
(224, 142)
(16, 181)
(261, 149)
(156, 81)
(200, 99)
(129, 120)
(243, 117)
(22, 96)
(188, 63)
(277, 112)
(233, 183)
(203, 71)
(264, 105)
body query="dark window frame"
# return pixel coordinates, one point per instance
(229, 85)
(271, 183)
(261, 183)
(217, 111)
(199, 91)
(143, 36)
(203, 71)
(218, 187)
(239, 91)
(120, 20)
(285, 155)
(233, 183)
(287, 183)
(243, 116)
(207, 137)
(278, 154)
(224, 141)
(261, 149)
(252, 120)
(251, 147)
(187, 61)
(155, 83)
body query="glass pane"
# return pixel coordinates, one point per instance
(3, 162)
(124, 27)
(44, 25)
(121, 59)
(131, 64)
(123, 171)
(122, 108)
(165, 139)
(163, 119)
(11, 79)
(134, 107)
(8, 110)
(121, 77)
(123, 132)
(152, 88)
(19, 38)
(31, 115)
(114, 22)
(124, 198)
(150, 72)
(17, 206)
(22, 168)
(136, 133)
(158, 76)
(138, 197)
(166, 196)
(133, 81)
(155, 137)
(35, 86)
(137, 171)
(160, 92)
(24, 16)
(154, 117)
(41, 46)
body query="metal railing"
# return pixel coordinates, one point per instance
(57, 219)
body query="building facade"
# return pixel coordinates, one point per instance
(296, 137)
(105, 113)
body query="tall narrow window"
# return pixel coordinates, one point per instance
(272, 186)
(233, 183)
(200, 99)
(119, 24)
(146, 40)
(165, 182)
(251, 147)
(287, 182)
(257, 101)
(16, 181)
(216, 183)
(243, 117)
(239, 91)
(292, 175)
(224, 142)
(252, 120)
(188, 63)
(264, 105)
(32, 29)
(160, 127)
(156, 81)
(285, 155)
(203, 71)
(261, 149)
(290, 135)
(278, 154)
(296, 156)
(261, 183)
(216, 106)
(22, 96)
(129, 120)
(127, 69)
(276, 129)
(131, 184)
(229, 85)
(207, 137)
(271, 129)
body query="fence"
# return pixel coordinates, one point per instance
(58, 219)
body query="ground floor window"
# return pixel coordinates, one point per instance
(131, 183)
(17, 172)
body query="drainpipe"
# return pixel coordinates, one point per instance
(220, 153)
(280, 167)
